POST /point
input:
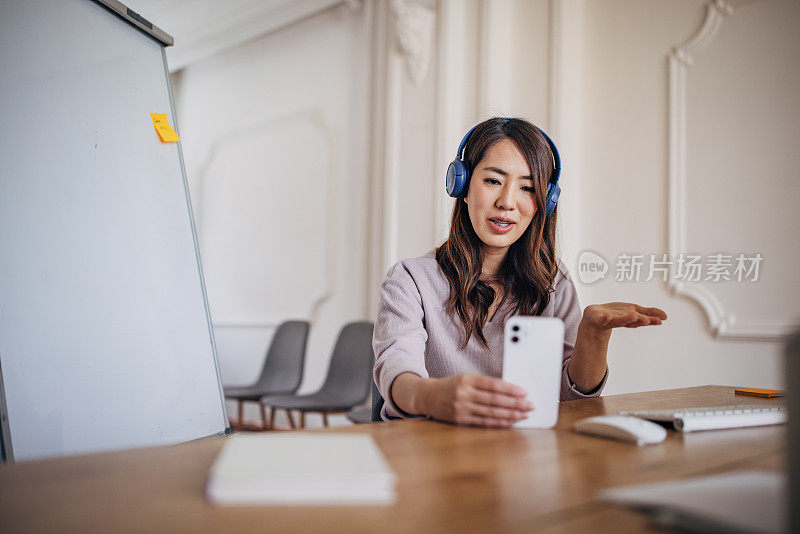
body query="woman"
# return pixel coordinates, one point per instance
(438, 337)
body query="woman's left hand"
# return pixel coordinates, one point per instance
(616, 314)
(588, 363)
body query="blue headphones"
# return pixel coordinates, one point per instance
(458, 175)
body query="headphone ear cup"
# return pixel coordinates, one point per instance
(553, 192)
(457, 178)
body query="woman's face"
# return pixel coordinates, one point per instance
(500, 197)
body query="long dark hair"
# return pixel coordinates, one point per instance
(529, 268)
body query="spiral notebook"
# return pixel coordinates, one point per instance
(300, 469)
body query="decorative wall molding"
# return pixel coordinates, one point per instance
(723, 324)
(403, 31)
(381, 246)
(414, 32)
(452, 52)
(555, 62)
(716, 10)
(389, 102)
(483, 56)
(315, 117)
(557, 94)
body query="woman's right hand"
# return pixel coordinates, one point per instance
(474, 400)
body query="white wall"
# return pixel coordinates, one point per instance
(385, 91)
(624, 186)
(273, 134)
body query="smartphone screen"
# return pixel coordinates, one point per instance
(532, 355)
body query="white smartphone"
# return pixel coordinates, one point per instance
(532, 355)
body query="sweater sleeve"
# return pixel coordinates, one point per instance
(399, 336)
(568, 309)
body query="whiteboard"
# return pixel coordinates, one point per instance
(105, 337)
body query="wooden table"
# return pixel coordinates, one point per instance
(450, 479)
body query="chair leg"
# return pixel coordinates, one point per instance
(302, 419)
(272, 418)
(291, 419)
(240, 412)
(263, 416)
(324, 419)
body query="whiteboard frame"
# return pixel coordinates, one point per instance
(6, 451)
(137, 21)
(196, 248)
(227, 430)
(164, 39)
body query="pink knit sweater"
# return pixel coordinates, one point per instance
(413, 332)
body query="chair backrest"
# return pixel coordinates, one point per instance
(792, 372)
(283, 367)
(350, 368)
(377, 403)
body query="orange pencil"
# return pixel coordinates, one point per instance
(756, 392)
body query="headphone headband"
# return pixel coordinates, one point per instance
(457, 181)
(463, 144)
(556, 156)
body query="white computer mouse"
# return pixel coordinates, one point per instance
(623, 428)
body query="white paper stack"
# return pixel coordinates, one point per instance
(287, 469)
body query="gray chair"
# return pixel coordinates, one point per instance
(371, 413)
(360, 415)
(377, 404)
(282, 370)
(347, 383)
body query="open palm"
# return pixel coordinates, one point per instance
(617, 314)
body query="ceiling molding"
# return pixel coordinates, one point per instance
(204, 28)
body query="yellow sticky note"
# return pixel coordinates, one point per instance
(163, 129)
